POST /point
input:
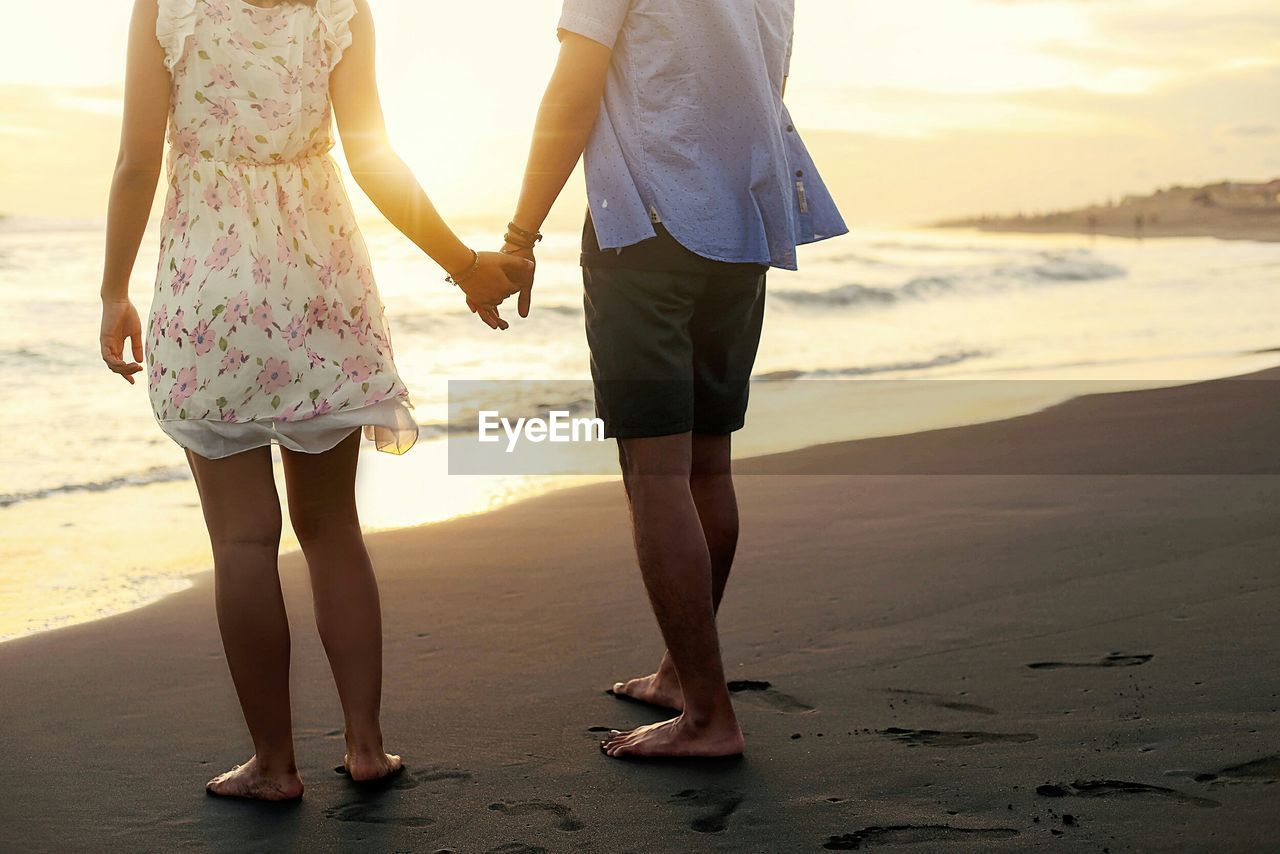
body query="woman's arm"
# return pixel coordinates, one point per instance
(389, 184)
(133, 188)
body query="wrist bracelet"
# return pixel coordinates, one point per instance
(531, 236)
(518, 242)
(462, 278)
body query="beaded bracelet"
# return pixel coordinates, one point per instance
(464, 277)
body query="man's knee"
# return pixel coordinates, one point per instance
(711, 456)
(656, 456)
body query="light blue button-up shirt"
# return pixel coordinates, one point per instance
(693, 132)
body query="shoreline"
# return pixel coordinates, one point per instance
(959, 661)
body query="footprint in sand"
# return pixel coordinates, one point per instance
(1264, 770)
(440, 774)
(371, 812)
(718, 804)
(406, 779)
(942, 702)
(958, 738)
(1119, 788)
(565, 818)
(1114, 659)
(908, 834)
(517, 848)
(760, 693)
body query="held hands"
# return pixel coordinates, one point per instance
(489, 313)
(120, 321)
(496, 277)
(518, 249)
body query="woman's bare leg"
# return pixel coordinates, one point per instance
(242, 512)
(322, 508)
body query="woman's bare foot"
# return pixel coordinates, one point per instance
(676, 737)
(658, 689)
(250, 781)
(364, 767)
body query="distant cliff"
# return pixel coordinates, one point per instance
(1229, 210)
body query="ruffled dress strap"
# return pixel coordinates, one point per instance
(175, 24)
(335, 17)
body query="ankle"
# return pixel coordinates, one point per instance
(276, 766)
(364, 743)
(709, 717)
(666, 674)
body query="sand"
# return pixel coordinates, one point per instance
(1009, 658)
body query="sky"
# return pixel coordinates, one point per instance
(914, 111)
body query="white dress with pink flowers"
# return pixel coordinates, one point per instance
(266, 324)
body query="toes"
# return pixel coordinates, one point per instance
(609, 740)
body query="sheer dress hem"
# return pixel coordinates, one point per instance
(388, 424)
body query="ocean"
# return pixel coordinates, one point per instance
(98, 514)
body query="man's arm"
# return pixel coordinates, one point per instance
(565, 120)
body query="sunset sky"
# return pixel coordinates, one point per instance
(914, 110)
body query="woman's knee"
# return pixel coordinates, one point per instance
(320, 521)
(250, 532)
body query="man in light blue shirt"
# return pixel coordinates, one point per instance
(694, 131)
(697, 183)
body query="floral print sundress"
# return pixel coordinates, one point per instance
(266, 324)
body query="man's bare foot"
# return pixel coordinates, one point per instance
(658, 689)
(249, 781)
(676, 737)
(364, 767)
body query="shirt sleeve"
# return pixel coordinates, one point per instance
(598, 20)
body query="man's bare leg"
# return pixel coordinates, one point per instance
(711, 484)
(675, 563)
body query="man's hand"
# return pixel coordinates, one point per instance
(526, 292)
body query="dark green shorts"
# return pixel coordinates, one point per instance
(672, 352)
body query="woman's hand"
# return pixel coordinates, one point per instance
(120, 321)
(490, 315)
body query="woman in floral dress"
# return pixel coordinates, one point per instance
(266, 326)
